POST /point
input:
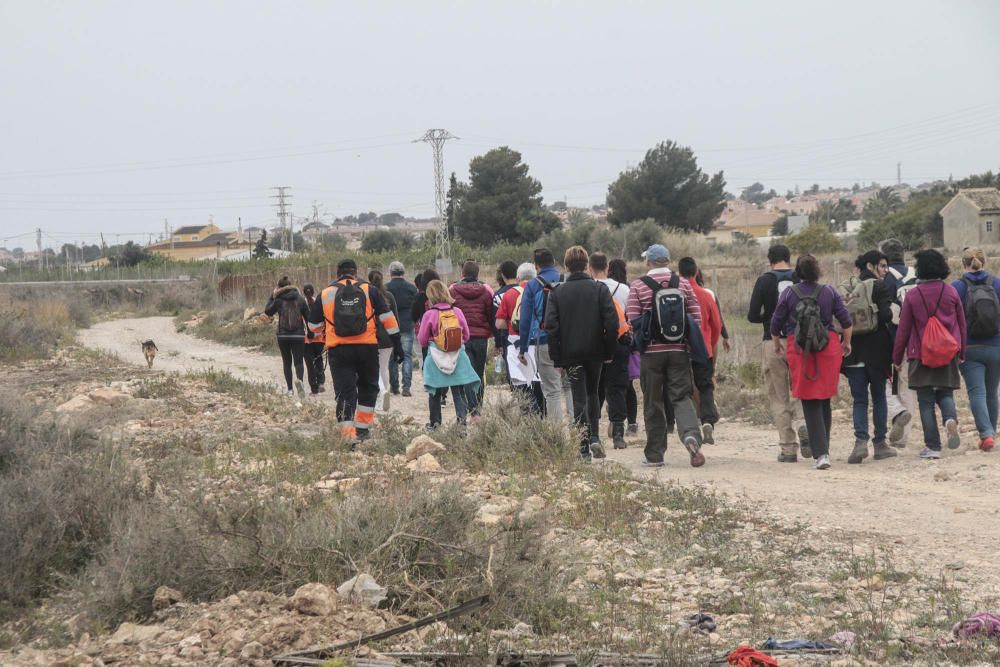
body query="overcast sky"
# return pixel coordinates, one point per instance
(116, 115)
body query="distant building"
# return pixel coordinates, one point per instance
(202, 242)
(744, 220)
(972, 217)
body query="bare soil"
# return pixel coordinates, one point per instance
(940, 515)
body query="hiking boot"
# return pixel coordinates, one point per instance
(859, 453)
(822, 463)
(987, 443)
(803, 434)
(884, 451)
(928, 453)
(394, 391)
(697, 458)
(787, 458)
(633, 429)
(618, 435)
(652, 464)
(597, 450)
(300, 389)
(586, 455)
(898, 429)
(406, 393)
(954, 439)
(707, 434)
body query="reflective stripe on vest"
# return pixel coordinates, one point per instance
(369, 337)
(318, 331)
(389, 323)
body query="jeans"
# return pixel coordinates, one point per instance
(927, 398)
(291, 352)
(863, 380)
(614, 386)
(407, 340)
(476, 349)
(666, 377)
(355, 381)
(459, 394)
(583, 381)
(555, 386)
(819, 420)
(787, 411)
(981, 372)
(704, 382)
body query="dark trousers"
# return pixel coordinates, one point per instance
(666, 378)
(631, 403)
(615, 385)
(864, 380)
(928, 398)
(476, 349)
(459, 393)
(819, 420)
(531, 395)
(355, 380)
(291, 352)
(315, 366)
(704, 382)
(584, 380)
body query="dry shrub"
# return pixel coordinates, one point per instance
(418, 540)
(507, 439)
(59, 489)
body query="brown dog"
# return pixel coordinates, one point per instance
(149, 351)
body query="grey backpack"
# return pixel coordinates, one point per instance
(810, 334)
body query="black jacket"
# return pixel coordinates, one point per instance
(581, 321)
(875, 349)
(289, 301)
(764, 299)
(404, 293)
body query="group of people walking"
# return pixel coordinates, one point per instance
(896, 333)
(570, 340)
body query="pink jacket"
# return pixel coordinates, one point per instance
(913, 318)
(429, 324)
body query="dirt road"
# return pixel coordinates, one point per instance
(942, 513)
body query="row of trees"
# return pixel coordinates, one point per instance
(502, 202)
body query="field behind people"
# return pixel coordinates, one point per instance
(118, 480)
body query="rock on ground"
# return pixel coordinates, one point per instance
(314, 600)
(422, 444)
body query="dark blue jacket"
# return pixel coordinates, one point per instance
(531, 292)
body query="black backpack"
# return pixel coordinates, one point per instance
(290, 316)
(669, 317)
(982, 308)
(810, 334)
(350, 305)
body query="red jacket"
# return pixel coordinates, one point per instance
(476, 302)
(711, 319)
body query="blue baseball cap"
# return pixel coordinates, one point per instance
(657, 254)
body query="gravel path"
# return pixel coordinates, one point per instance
(944, 513)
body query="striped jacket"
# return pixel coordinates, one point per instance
(640, 300)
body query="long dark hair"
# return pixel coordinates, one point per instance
(375, 278)
(426, 277)
(617, 270)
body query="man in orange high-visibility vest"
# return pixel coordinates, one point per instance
(352, 311)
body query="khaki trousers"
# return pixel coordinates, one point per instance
(787, 411)
(904, 399)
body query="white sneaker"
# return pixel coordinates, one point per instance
(822, 463)
(290, 393)
(300, 388)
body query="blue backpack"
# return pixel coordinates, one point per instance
(538, 313)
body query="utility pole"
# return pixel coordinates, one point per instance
(899, 173)
(166, 230)
(283, 198)
(291, 232)
(38, 242)
(437, 139)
